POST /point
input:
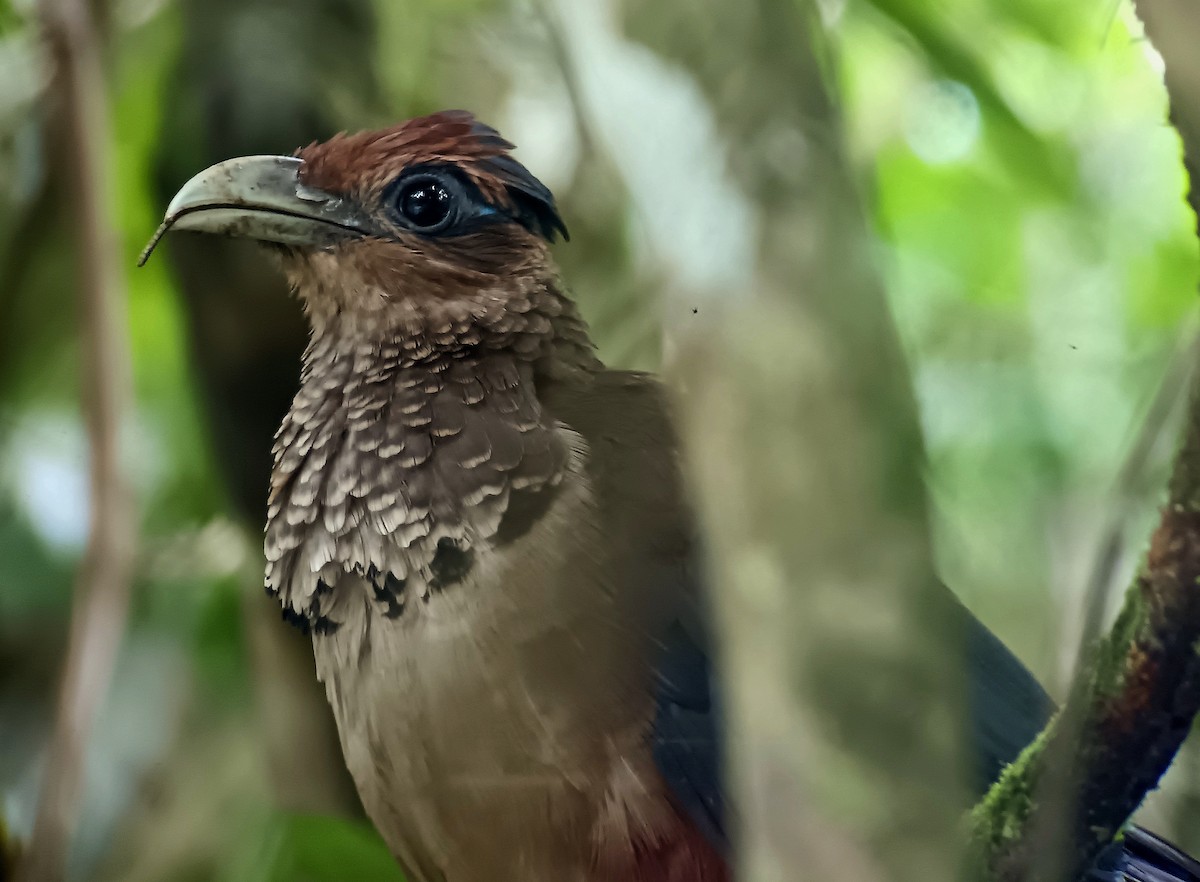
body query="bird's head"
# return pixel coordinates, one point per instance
(434, 210)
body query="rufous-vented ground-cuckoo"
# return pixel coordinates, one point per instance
(485, 530)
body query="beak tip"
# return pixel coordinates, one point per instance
(153, 243)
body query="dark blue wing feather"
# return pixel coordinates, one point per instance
(1006, 705)
(687, 735)
(1140, 856)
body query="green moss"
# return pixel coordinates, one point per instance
(999, 822)
(999, 818)
(1109, 659)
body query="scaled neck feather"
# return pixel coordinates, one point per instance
(414, 425)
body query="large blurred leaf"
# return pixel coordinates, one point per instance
(957, 58)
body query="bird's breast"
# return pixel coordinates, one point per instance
(500, 722)
(486, 598)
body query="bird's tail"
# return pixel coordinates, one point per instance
(1140, 856)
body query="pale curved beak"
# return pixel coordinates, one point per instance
(260, 197)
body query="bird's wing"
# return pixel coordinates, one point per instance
(1006, 706)
(687, 729)
(634, 465)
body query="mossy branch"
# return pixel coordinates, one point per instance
(1127, 716)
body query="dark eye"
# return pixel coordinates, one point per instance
(425, 203)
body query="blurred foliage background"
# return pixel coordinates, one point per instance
(1026, 195)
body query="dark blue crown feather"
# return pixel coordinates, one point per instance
(534, 206)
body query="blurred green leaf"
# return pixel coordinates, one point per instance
(308, 848)
(220, 645)
(957, 58)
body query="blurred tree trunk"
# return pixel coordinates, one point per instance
(844, 727)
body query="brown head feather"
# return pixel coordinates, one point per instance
(363, 164)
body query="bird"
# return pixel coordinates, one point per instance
(487, 533)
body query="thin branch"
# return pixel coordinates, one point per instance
(1135, 481)
(561, 53)
(102, 585)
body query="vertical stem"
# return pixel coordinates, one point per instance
(102, 584)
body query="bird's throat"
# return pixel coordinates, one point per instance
(406, 446)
